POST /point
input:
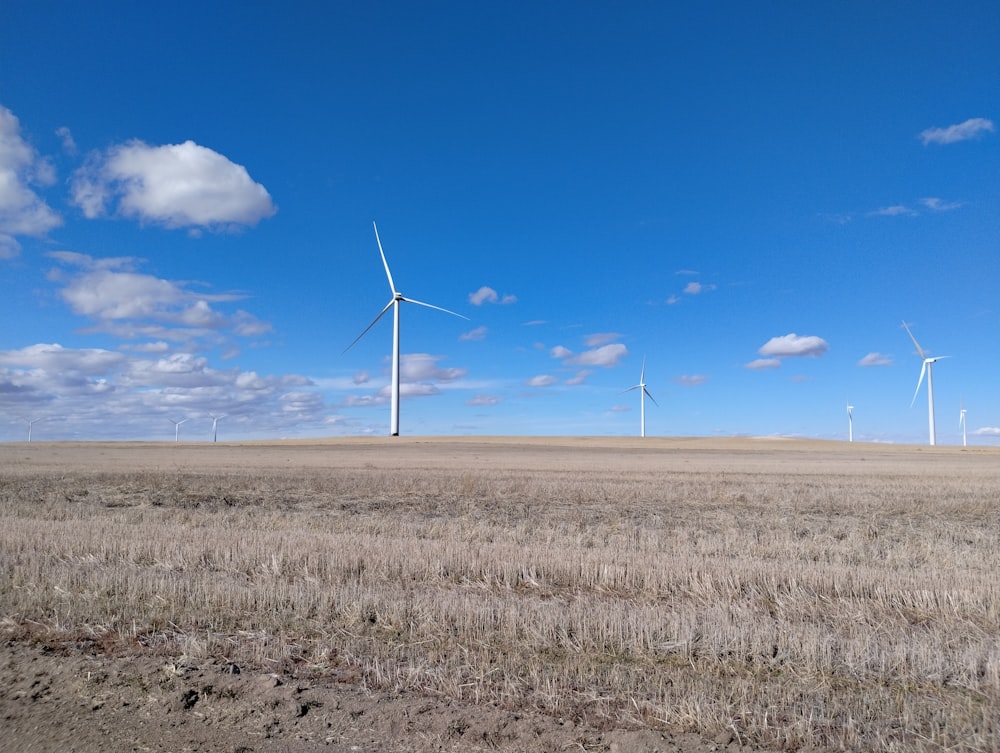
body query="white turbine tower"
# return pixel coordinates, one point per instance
(177, 427)
(928, 363)
(215, 426)
(850, 422)
(961, 423)
(31, 423)
(643, 393)
(394, 302)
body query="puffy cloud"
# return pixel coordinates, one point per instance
(131, 304)
(969, 129)
(764, 363)
(691, 380)
(416, 367)
(560, 351)
(542, 380)
(54, 357)
(22, 211)
(794, 345)
(176, 185)
(486, 294)
(875, 359)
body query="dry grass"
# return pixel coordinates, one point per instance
(798, 609)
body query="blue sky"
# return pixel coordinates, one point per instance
(750, 197)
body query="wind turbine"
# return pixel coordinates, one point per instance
(961, 423)
(850, 422)
(928, 363)
(177, 427)
(643, 392)
(215, 426)
(31, 423)
(394, 302)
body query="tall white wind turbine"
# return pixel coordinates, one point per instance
(177, 427)
(215, 426)
(850, 422)
(961, 423)
(643, 393)
(927, 367)
(394, 303)
(31, 422)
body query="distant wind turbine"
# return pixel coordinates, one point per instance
(850, 422)
(215, 426)
(394, 302)
(177, 427)
(31, 423)
(928, 363)
(961, 423)
(643, 393)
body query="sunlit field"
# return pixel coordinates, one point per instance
(798, 594)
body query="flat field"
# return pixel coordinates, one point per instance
(499, 594)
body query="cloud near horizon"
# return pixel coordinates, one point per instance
(175, 185)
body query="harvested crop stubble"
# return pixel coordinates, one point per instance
(817, 606)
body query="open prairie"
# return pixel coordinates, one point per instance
(499, 594)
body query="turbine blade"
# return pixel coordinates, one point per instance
(365, 332)
(385, 264)
(919, 382)
(642, 374)
(432, 306)
(920, 350)
(634, 387)
(651, 397)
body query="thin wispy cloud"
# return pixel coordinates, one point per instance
(761, 364)
(579, 378)
(606, 356)
(895, 210)
(479, 333)
(940, 205)
(600, 338)
(875, 359)
(176, 185)
(484, 400)
(542, 380)
(972, 128)
(691, 380)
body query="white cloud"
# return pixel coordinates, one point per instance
(66, 137)
(600, 338)
(579, 378)
(479, 333)
(794, 345)
(764, 363)
(875, 359)
(969, 129)
(131, 304)
(542, 380)
(54, 357)
(484, 400)
(176, 185)
(896, 210)
(692, 380)
(361, 377)
(416, 367)
(22, 211)
(606, 355)
(987, 431)
(673, 299)
(694, 288)
(939, 205)
(486, 294)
